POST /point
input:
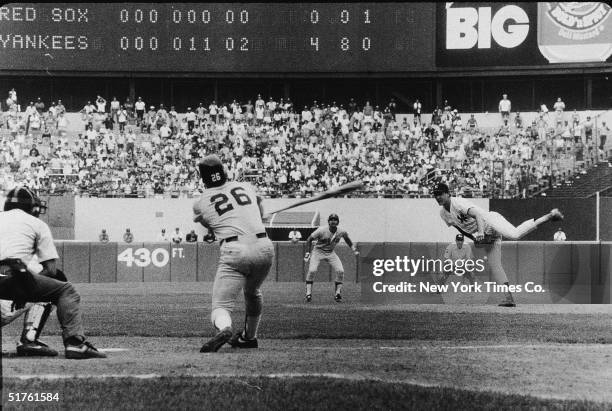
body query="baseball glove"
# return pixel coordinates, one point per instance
(488, 239)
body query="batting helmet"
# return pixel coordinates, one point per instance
(440, 189)
(24, 199)
(333, 217)
(211, 171)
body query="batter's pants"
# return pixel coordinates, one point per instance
(243, 265)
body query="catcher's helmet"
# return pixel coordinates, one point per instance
(24, 199)
(211, 171)
(333, 217)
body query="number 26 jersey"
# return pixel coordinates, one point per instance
(230, 209)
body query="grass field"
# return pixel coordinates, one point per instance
(322, 355)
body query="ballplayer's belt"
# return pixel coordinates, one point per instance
(235, 238)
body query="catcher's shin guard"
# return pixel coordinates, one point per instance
(35, 320)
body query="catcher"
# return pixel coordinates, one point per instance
(22, 280)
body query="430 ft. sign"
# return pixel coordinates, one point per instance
(143, 257)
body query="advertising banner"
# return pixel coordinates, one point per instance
(522, 34)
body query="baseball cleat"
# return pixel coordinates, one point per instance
(309, 298)
(238, 341)
(83, 351)
(217, 341)
(338, 298)
(556, 215)
(508, 302)
(34, 349)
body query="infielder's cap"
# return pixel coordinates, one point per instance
(440, 188)
(459, 237)
(333, 217)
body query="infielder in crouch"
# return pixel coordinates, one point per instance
(23, 280)
(232, 211)
(327, 238)
(459, 251)
(487, 228)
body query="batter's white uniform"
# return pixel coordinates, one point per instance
(324, 250)
(232, 213)
(495, 227)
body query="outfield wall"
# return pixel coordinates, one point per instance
(365, 219)
(577, 271)
(605, 219)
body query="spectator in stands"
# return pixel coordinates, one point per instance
(122, 118)
(588, 131)
(128, 237)
(472, 124)
(162, 236)
(129, 107)
(518, 121)
(177, 236)
(103, 237)
(192, 237)
(40, 106)
(575, 118)
(603, 136)
(60, 107)
(543, 111)
(505, 106)
(559, 108)
(213, 110)
(191, 119)
(11, 99)
(100, 104)
(34, 151)
(115, 106)
(140, 107)
(559, 235)
(295, 235)
(209, 237)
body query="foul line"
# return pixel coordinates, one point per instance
(453, 347)
(346, 377)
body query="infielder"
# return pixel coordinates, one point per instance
(326, 240)
(486, 228)
(232, 211)
(23, 280)
(455, 252)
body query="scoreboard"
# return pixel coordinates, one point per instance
(218, 37)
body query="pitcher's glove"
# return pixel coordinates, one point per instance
(486, 240)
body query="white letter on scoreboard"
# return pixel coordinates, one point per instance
(460, 31)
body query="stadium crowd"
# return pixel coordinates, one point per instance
(140, 150)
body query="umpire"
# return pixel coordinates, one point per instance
(22, 236)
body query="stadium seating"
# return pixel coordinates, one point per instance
(286, 154)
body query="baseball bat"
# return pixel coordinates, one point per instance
(343, 189)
